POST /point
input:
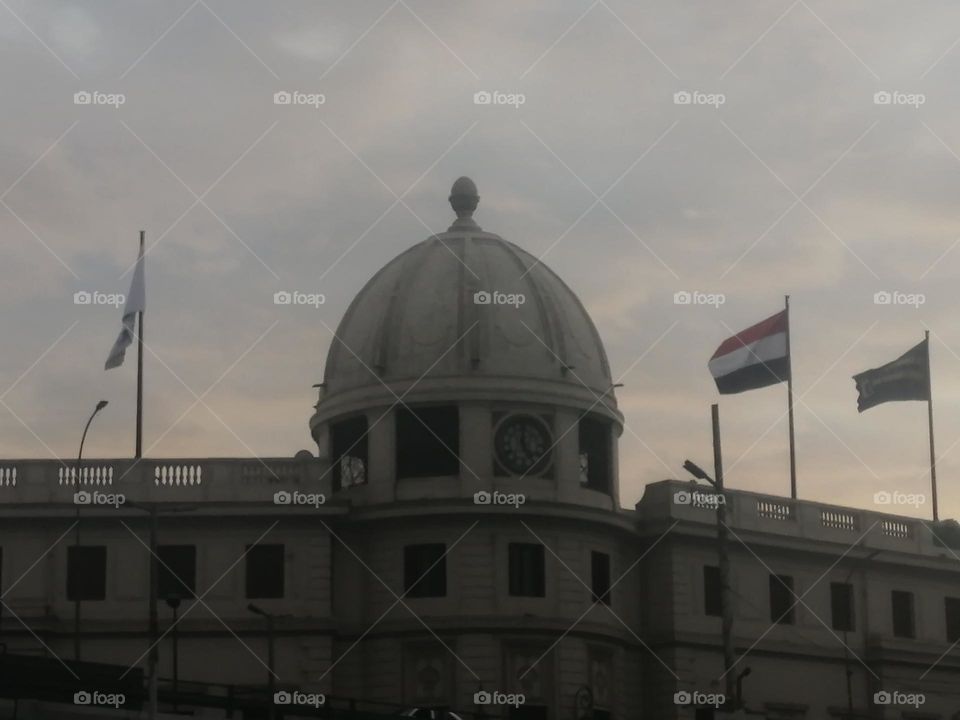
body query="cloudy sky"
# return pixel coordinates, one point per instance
(785, 175)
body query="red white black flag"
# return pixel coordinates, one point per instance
(754, 358)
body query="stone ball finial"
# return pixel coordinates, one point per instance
(464, 197)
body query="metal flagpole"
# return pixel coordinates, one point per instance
(139, 451)
(726, 595)
(933, 456)
(793, 449)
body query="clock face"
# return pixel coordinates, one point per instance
(522, 444)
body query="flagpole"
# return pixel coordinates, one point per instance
(933, 456)
(793, 449)
(139, 450)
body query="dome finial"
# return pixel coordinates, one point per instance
(463, 200)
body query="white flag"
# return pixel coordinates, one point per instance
(136, 302)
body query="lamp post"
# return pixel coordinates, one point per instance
(270, 654)
(173, 602)
(76, 537)
(846, 647)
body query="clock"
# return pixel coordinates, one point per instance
(522, 444)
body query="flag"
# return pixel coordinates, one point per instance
(136, 301)
(753, 358)
(906, 378)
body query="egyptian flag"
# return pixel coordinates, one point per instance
(906, 378)
(753, 358)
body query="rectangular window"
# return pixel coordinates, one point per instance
(527, 570)
(428, 442)
(425, 570)
(595, 451)
(952, 608)
(265, 571)
(86, 572)
(176, 571)
(841, 606)
(782, 601)
(348, 452)
(712, 604)
(901, 603)
(600, 577)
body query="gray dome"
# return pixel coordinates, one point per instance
(405, 322)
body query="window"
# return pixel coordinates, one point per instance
(841, 606)
(952, 608)
(425, 570)
(595, 451)
(902, 605)
(781, 599)
(176, 571)
(428, 442)
(712, 603)
(527, 571)
(86, 572)
(600, 577)
(348, 451)
(265, 571)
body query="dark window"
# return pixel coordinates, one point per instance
(265, 571)
(841, 606)
(425, 570)
(902, 605)
(86, 572)
(527, 570)
(711, 591)
(176, 571)
(595, 450)
(428, 442)
(600, 577)
(781, 599)
(952, 608)
(348, 440)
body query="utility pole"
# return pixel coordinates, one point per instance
(153, 662)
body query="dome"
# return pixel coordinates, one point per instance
(470, 309)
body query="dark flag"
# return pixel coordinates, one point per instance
(906, 378)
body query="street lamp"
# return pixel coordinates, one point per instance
(76, 537)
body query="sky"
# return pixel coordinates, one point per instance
(818, 156)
